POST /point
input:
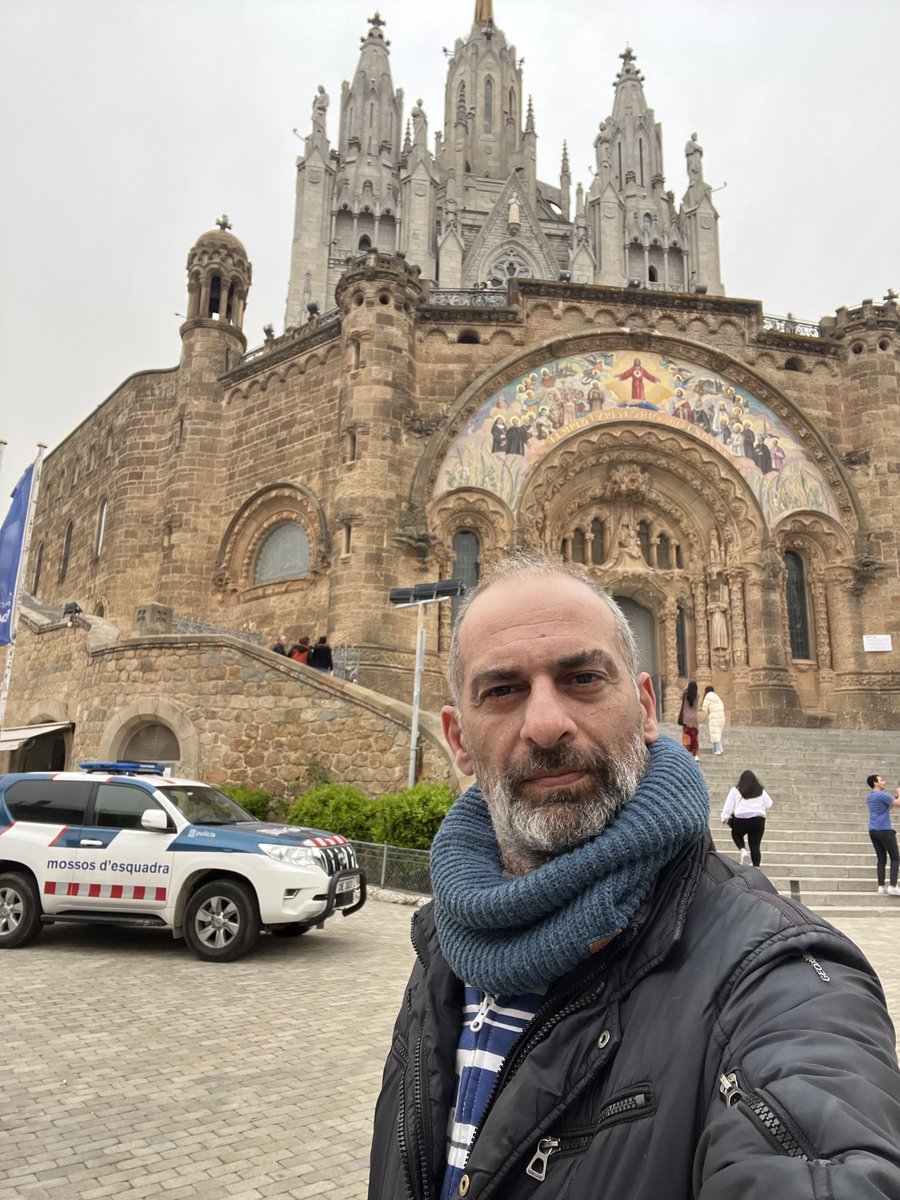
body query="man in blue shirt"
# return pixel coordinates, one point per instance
(884, 839)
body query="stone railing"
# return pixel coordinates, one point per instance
(316, 324)
(790, 324)
(469, 297)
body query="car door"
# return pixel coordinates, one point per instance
(47, 814)
(126, 867)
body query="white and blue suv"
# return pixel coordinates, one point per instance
(124, 844)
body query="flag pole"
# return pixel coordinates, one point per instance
(23, 559)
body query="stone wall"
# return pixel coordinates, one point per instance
(242, 714)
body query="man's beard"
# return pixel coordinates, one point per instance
(530, 830)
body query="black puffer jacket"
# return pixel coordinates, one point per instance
(729, 1046)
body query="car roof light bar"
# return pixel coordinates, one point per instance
(124, 768)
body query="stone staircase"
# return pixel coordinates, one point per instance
(816, 842)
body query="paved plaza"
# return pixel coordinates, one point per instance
(130, 1069)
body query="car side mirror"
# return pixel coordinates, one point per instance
(154, 818)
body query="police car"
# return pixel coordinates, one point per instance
(124, 844)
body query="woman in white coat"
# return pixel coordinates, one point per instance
(715, 715)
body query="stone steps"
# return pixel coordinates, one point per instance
(817, 830)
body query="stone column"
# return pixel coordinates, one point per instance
(764, 694)
(738, 617)
(820, 612)
(672, 697)
(701, 629)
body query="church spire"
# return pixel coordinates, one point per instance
(484, 12)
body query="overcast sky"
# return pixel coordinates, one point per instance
(128, 126)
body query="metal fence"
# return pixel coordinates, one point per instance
(394, 867)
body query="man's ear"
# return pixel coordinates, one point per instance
(647, 701)
(453, 735)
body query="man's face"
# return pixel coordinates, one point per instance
(880, 785)
(549, 719)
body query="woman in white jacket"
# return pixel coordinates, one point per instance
(745, 811)
(715, 714)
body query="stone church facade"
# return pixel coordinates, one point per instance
(470, 363)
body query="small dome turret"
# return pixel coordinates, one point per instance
(219, 275)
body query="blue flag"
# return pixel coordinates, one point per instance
(12, 535)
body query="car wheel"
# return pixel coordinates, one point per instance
(20, 911)
(292, 930)
(221, 921)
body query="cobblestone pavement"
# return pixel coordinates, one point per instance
(130, 1069)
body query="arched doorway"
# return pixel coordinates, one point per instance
(643, 626)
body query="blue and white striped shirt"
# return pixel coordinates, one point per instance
(490, 1026)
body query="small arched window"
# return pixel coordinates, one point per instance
(579, 546)
(681, 642)
(38, 564)
(797, 608)
(644, 540)
(283, 555)
(101, 528)
(466, 565)
(664, 552)
(365, 242)
(598, 542)
(66, 552)
(488, 106)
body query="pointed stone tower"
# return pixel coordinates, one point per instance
(348, 200)
(483, 134)
(638, 237)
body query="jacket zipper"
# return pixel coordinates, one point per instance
(537, 1167)
(763, 1115)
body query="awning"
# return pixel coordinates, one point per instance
(12, 739)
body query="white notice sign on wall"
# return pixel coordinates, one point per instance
(877, 641)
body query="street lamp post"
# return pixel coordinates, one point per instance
(420, 596)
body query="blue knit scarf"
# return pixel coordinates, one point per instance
(507, 935)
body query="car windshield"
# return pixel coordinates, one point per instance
(205, 806)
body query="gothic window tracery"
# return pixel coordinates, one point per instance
(508, 266)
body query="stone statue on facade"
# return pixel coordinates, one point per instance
(320, 111)
(693, 152)
(719, 638)
(512, 218)
(603, 145)
(419, 124)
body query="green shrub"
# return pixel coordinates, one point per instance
(411, 818)
(336, 808)
(316, 773)
(254, 801)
